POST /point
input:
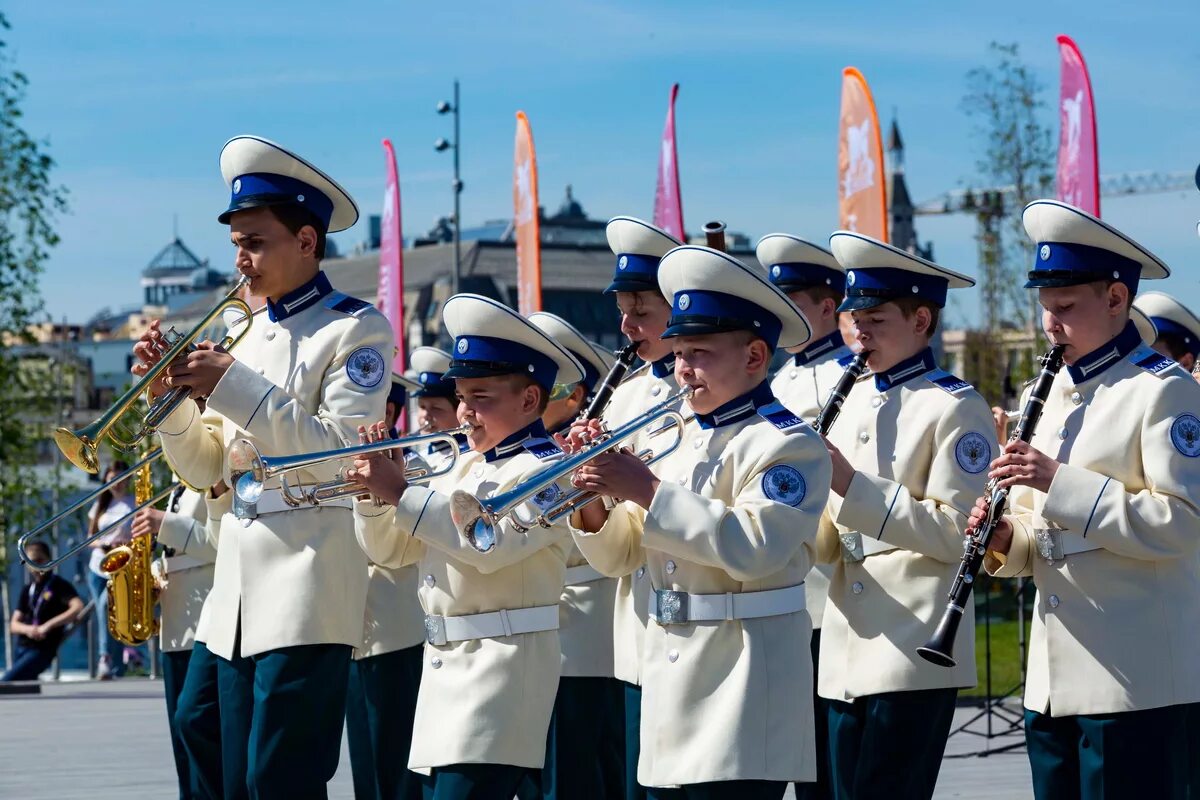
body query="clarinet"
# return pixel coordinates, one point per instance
(604, 390)
(940, 647)
(833, 405)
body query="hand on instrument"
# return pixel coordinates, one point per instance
(1001, 539)
(618, 474)
(148, 522)
(843, 471)
(1020, 464)
(200, 369)
(1000, 418)
(380, 474)
(148, 351)
(580, 435)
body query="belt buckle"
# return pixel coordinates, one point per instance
(672, 606)
(243, 510)
(1048, 545)
(852, 547)
(435, 629)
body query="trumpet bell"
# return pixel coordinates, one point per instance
(473, 520)
(245, 470)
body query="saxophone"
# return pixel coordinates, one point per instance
(132, 587)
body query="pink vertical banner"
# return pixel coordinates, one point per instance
(391, 259)
(1078, 177)
(668, 201)
(525, 220)
(862, 192)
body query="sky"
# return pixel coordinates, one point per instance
(135, 99)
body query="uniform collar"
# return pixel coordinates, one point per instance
(300, 298)
(823, 346)
(1100, 359)
(664, 366)
(515, 443)
(739, 408)
(906, 370)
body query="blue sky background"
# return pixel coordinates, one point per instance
(136, 99)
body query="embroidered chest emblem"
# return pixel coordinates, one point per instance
(784, 484)
(365, 367)
(973, 452)
(1185, 435)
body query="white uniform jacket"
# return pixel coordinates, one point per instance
(189, 572)
(735, 514)
(301, 384)
(1112, 546)
(803, 385)
(635, 396)
(921, 446)
(484, 700)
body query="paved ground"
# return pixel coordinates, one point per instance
(96, 741)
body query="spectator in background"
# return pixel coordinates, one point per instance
(47, 605)
(111, 506)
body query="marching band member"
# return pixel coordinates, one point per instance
(638, 246)
(386, 671)
(578, 726)
(815, 281)
(437, 403)
(727, 536)
(1103, 515)
(910, 450)
(182, 528)
(286, 607)
(1177, 328)
(491, 598)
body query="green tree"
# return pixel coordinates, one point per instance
(29, 203)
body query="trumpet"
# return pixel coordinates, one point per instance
(249, 470)
(142, 502)
(80, 446)
(477, 519)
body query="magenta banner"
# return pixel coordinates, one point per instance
(1078, 178)
(668, 203)
(390, 299)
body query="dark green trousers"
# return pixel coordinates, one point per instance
(821, 789)
(282, 714)
(1193, 758)
(633, 741)
(381, 706)
(722, 790)
(174, 673)
(475, 782)
(1135, 754)
(197, 722)
(889, 745)
(574, 746)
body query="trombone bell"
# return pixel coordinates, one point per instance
(79, 448)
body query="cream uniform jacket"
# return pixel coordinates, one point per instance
(481, 700)
(921, 448)
(298, 385)
(725, 700)
(803, 385)
(635, 396)
(189, 572)
(1112, 546)
(394, 619)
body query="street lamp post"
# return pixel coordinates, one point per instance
(440, 145)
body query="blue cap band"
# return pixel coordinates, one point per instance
(258, 189)
(1189, 338)
(1070, 264)
(486, 355)
(697, 312)
(891, 283)
(635, 273)
(433, 384)
(798, 275)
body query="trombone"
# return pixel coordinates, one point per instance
(80, 446)
(477, 519)
(249, 469)
(87, 500)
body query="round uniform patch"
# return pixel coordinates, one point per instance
(1185, 435)
(974, 452)
(622, 262)
(784, 484)
(850, 277)
(365, 367)
(684, 302)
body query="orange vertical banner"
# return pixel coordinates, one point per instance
(862, 192)
(525, 220)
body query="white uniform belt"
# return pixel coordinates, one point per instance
(1052, 545)
(584, 573)
(669, 607)
(184, 562)
(441, 630)
(272, 502)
